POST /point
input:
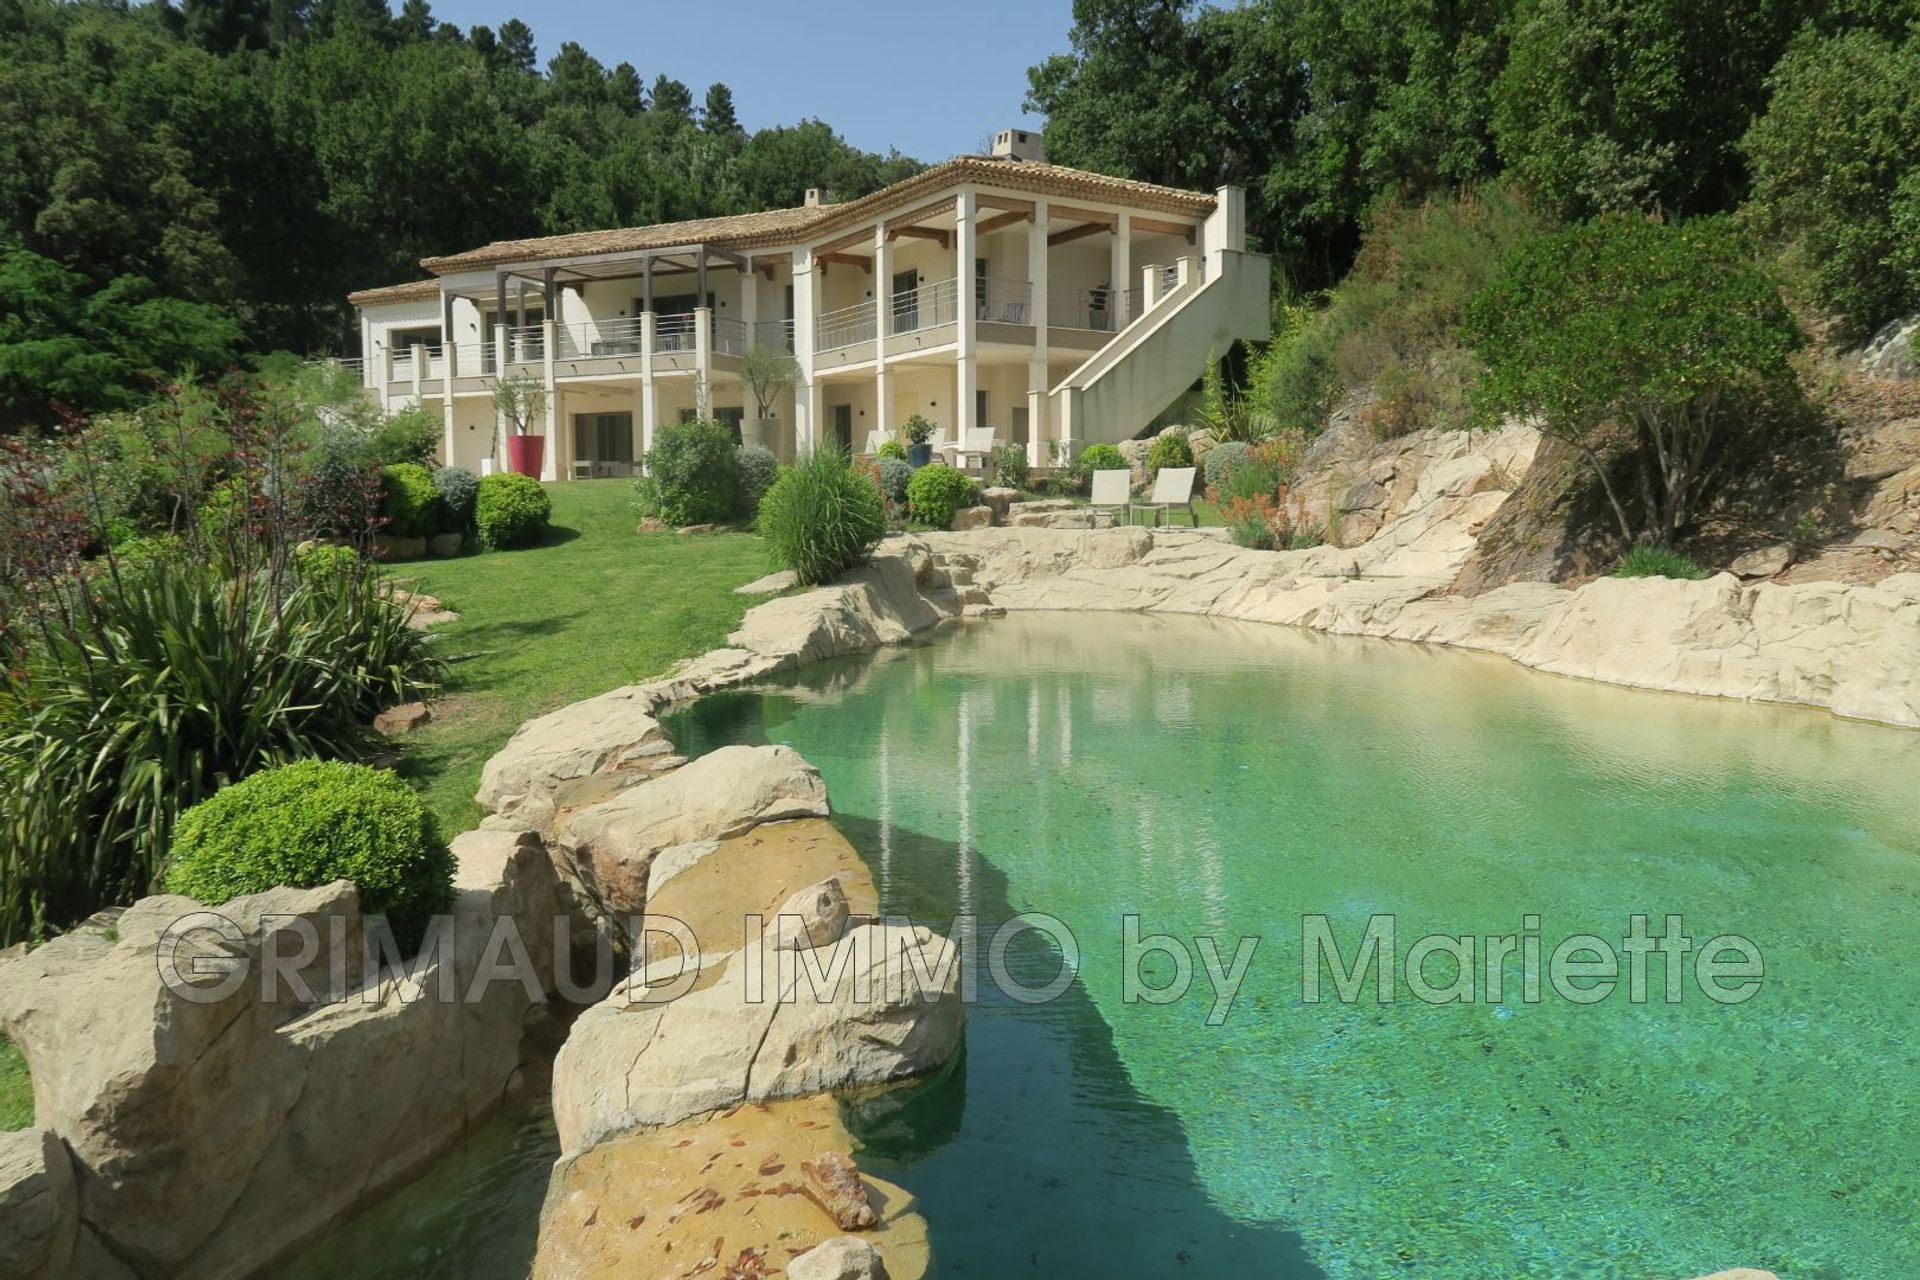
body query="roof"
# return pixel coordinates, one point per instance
(784, 226)
(412, 291)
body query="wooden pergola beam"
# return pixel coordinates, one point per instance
(945, 238)
(900, 225)
(832, 247)
(1007, 203)
(1155, 227)
(1080, 232)
(1000, 220)
(1073, 214)
(844, 259)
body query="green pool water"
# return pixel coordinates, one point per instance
(1227, 780)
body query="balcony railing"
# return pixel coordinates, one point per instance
(676, 332)
(845, 327)
(432, 365)
(927, 307)
(1003, 301)
(605, 338)
(527, 344)
(353, 364)
(1072, 308)
(777, 334)
(729, 336)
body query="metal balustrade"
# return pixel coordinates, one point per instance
(927, 307)
(998, 301)
(729, 336)
(845, 327)
(1069, 307)
(676, 332)
(777, 334)
(527, 344)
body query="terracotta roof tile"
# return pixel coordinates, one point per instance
(787, 226)
(412, 291)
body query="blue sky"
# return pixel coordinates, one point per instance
(885, 73)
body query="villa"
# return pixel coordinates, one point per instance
(1091, 304)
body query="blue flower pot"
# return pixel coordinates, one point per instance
(919, 455)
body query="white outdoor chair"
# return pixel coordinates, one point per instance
(874, 440)
(1173, 487)
(583, 469)
(979, 445)
(1113, 491)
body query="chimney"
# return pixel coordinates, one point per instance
(815, 198)
(1018, 144)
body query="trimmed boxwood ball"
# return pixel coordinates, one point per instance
(510, 510)
(937, 491)
(758, 467)
(410, 501)
(1101, 457)
(821, 517)
(310, 823)
(695, 471)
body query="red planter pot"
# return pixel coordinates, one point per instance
(526, 453)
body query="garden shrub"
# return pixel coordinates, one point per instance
(1263, 470)
(757, 467)
(325, 565)
(1010, 469)
(821, 517)
(937, 491)
(695, 469)
(892, 447)
(1169, 449)
(458, 487)
(410, 501)
(510, 510)
(1100, 457)
(894, 475)
(411, 436)
(1223, 458)
(1650, 561)
(307, 824)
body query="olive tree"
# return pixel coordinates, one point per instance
(1648, 347)
(518, 399)
(768, 371)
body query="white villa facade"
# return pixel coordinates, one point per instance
(1055, 306)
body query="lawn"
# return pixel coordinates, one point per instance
(595, 607)
(16, 1089)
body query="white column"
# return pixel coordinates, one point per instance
(649, 389)
(1121, 271)
(1038, 380)
(703, 361)
(966, 372)
(419, 361)
(550, 467)
(1149, 288)
(806, 313)
(882, 326)
(750, 303)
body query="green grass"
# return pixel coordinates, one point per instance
(1646, 561)
(594, 607)
(16, 1089)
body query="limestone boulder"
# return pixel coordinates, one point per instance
(813, 917)
(972, 518)
(39, 1208)
(770, 584)
(609, 848)
(404, 718)
(841, 1258)
(999, 498)
(880, 1004)
(877, 604)
(1764, 562)
(611, 732)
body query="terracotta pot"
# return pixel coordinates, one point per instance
(526, 453)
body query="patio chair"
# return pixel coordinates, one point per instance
(875, 439)
(583, 469)
(1173, 487)
(1113, 491)
(979, 444)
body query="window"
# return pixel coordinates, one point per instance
(906, 301)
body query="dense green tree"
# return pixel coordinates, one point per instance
(1837, 172)
(65, 340)
(718, 115)
(1657, 345)
(672, 102)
